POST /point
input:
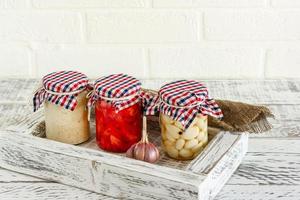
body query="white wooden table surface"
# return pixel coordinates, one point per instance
(270, 170)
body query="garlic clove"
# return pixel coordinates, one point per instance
(130, 151)
(185, 153)
(139, 151)
(151, 154)
(180, 143)
(173, 131)
(169, 143)
(190, 144)
(170, 138)
(172, 151)
(201, 136)
(198, 147)
(190, 133)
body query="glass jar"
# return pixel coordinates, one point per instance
(183, 106)
(116, 132)
(183, 144)
(118, 112)
(63, 94)
(68, 126)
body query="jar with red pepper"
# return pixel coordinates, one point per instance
(118, 112)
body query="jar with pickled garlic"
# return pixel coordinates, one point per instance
(65, 105)
(184, 106)
(118, 112)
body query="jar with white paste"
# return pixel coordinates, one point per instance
(183, 106)
(65, 105)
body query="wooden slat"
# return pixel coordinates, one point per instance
(49, 191)
(54, 191)
(267, 169)
(281, 129)
(11, 115)
(274, 145)
(286, 122)
(285, 112)
(17, 90)
(259, 192)
(269, 161)
(7, 176)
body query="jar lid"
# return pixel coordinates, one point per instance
(182, 100)
(60, 88)
(121, 89)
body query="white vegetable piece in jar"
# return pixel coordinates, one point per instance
(183, 144)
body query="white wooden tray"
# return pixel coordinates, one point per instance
(24, 149)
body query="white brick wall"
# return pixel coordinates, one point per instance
(92, 60)
(14, 61)
(142, 26)
(209, 39)
(206, 63)
(252, 25)
(283, 63)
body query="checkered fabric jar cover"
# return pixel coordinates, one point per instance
(121, 89)
(61, 88)
(182, 100)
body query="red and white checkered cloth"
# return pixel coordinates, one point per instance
(182, 100)
(60, 88)
(121, 89)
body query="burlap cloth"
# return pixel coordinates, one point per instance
(240, 117)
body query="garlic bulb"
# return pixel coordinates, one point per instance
(144, 150)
